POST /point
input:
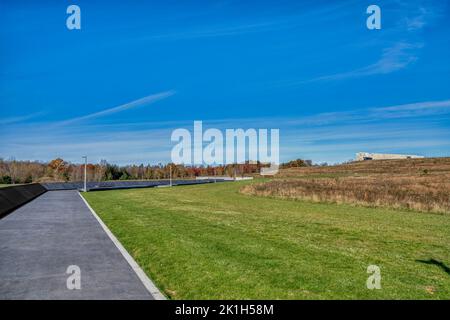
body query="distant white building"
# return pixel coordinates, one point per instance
(362, 156)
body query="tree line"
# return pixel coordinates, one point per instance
(15, 172)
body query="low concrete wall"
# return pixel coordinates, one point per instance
(13, 197)
(222, 178)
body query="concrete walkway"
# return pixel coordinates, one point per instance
(41, 239)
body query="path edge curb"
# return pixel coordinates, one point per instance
(146, 281)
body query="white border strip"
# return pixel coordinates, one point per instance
(149, 285)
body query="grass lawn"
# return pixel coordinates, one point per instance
(211, 242)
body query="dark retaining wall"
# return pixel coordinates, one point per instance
(127, 184)
(13, 197)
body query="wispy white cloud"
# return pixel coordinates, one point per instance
(415, 23)
(393, 59)
(412, 110)
(17, 119)
(258, 24)
(218, 31)
(365, 115)
(420, 15)
(118, 145)
(130, 105)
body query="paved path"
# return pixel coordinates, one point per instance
(42, 238)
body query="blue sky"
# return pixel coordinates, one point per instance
(117, 88)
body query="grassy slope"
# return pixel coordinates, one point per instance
(211, 242)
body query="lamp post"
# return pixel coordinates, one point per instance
(170, 176)
(85, 173)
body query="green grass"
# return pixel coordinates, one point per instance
(211, 242)
(10, 185)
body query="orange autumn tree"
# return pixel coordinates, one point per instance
(59, 169)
